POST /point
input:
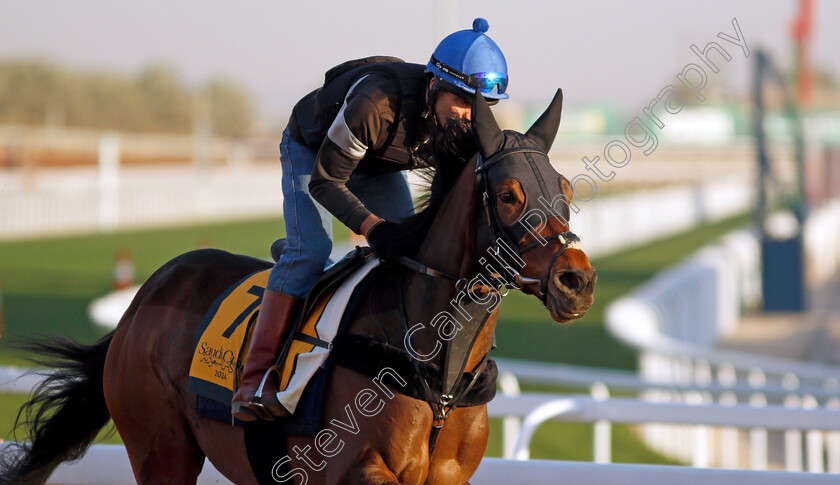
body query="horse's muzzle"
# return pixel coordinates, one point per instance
(572, 294)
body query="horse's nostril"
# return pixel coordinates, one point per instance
(570, 280)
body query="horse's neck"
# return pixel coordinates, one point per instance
(449, 246)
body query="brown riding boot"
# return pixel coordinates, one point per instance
(274, 321)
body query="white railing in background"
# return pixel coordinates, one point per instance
(18, 380)
(822, 243)
(77, 200)
(513, 372)
(619, 222)
(821, 426)
(823, 451)
(109, 465)
(493, 471)
(676, 319)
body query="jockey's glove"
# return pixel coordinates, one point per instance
(385, 239)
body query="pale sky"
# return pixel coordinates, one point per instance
(613, 51)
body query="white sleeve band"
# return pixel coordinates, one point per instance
(340, 134)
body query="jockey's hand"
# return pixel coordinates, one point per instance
(384, 239)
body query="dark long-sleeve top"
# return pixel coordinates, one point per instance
(361, 126)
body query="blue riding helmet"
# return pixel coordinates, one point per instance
(470, 60)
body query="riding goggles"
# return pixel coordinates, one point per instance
(482, 81)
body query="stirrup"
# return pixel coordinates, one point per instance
(273, 368)
(245, 412)
(258, 407)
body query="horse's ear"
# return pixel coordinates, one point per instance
(566, 188)
(544, 130)
(488, 136)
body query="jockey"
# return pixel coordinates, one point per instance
(342, 154)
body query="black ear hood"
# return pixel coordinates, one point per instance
(488, 136)
(542, 184)
(544, 130)
(525, 161)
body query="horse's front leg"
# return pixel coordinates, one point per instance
(371, 470)
(384, 435)
(460, 446)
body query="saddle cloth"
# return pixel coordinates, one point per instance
(221, 335)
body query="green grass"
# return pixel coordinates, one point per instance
(573, 442)
(48, 284)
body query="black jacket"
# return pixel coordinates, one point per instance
(369, 118)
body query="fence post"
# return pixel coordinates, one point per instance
(699, 435)
(758, 436)
(511, 425)
(813, 440)
(727, 377)
(538, 416)
(602, 431)
(793, 439)
(832, 440)
(109, 181)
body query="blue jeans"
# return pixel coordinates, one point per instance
(309, 225)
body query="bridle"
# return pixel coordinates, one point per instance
(498, 234)
(442, 405)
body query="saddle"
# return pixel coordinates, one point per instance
(223, 337)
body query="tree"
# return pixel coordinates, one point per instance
(230, 107)
(35, 92)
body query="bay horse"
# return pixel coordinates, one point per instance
(493, 205)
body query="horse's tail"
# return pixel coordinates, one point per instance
(64, 413)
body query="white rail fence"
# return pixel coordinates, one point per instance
(676, 319)
(109, 465)
(822, 426)
(822, 243)
(76, 200)
(609, 224)
(703, 423)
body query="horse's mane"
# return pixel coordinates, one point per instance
(436, 183)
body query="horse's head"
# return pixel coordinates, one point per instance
(524, 214)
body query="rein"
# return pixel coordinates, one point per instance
(444, 404)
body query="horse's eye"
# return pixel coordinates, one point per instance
(507, 197)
